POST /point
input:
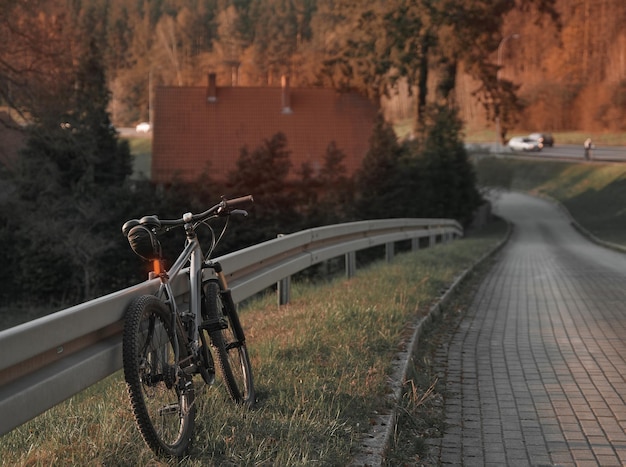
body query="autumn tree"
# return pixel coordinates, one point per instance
(34, 54)
(563, 61)
(471, 32)
(409, 39)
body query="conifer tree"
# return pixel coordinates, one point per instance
(375, 178)
(71, 176)
(263, 173)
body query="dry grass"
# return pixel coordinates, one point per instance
(321, 366)
(421, 411)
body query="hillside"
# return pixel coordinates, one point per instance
(562, 63)
(573, 77)
(570, 74)
(593, 193)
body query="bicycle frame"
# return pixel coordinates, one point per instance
(192, 253)
(197, 329)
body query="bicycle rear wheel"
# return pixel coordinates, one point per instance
(230, 348)
(162, 398)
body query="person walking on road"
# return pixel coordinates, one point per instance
(588, 147)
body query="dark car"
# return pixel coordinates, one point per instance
(545, 139)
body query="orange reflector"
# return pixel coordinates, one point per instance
(157, 266)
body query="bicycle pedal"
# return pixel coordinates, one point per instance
(207, 376)
(170, 409)
(215, 324)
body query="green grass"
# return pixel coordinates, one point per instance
(403, 128)
(141, 150)
(421, 411)
(595, 194)
(488, 135)
(560, 137)
(321, 365)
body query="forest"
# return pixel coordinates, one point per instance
(71, 71)
(564, 69)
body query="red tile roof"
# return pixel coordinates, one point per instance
(192, 130)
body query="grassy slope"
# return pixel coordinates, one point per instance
(561, 137)
(320, 365)
(141, 149)
(595, 194)
(484, 135)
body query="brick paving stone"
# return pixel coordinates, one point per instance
(535, 371)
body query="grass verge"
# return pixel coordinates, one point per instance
(321, 366)
(560, 137)
(141, 151)
(420, 422)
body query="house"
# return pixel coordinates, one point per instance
(200, 127)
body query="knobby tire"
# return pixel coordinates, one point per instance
(230, 350)
(162, 401)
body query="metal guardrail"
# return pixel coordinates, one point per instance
(45, 361)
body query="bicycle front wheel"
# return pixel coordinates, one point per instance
(162, 398)
(230, 348)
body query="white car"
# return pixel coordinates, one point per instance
(544, 138)
(143, 127)
(524, 143)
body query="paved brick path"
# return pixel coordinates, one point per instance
(536, 371)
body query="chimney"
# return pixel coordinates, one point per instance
(211, 92)
(286, 95)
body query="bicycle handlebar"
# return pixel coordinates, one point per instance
(223, 208)
(238, 202)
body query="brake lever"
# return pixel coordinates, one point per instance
(241, 212)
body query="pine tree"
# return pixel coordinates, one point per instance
(375, 178)
(72, 172)
(263, 173)
(449, 181)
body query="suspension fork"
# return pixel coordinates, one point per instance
(227, 301)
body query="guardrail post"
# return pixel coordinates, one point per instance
(389, 252)
(415, 244)
(432, 240)
(283, 287)
(284, 290)
(350, 259)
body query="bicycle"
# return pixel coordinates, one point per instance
(165, 344)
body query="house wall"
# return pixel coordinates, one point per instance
(200, 127)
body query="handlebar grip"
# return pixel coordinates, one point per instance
(239, 202)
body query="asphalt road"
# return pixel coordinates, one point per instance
(536, 370)
(600, 153)
(561, 151)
